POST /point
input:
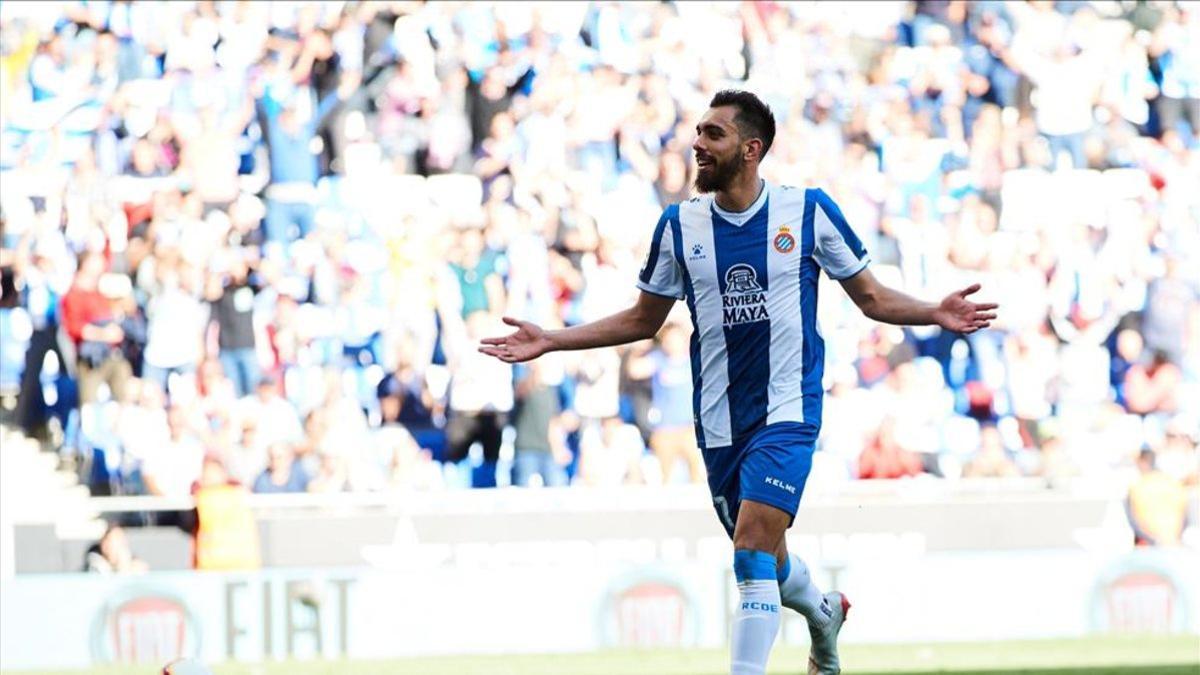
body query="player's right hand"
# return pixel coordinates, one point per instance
(526, 343)
(957, 313)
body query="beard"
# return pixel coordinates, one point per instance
(719, 175)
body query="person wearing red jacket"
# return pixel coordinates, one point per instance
(883, 458)
(89, 320)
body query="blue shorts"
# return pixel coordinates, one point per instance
(770, 468)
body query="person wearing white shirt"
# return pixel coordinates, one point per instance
(481, 398)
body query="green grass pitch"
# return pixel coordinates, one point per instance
(1091, 656)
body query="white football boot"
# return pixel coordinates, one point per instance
(823, 657)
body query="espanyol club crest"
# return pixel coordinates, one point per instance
(784, 241)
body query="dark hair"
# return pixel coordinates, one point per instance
(1147, 456)
(9, 295)
(754, 118)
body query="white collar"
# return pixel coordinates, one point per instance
(739, 218)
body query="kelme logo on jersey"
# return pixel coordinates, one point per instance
(784, 241)
(744, 300)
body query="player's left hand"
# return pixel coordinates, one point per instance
(957, 313)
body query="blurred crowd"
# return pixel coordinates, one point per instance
(261, 241)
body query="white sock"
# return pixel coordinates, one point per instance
(757, 620)
(754, 627)
(798, 592)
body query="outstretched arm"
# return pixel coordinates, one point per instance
(955, 312)
(529, 341)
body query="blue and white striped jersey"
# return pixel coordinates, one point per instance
(750, 281)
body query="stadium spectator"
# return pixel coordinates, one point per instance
(88, 318)
(345, 458)
(1053, 463)
(172, 469)
(333, 472)
(480, 400)
(175, 326)
(992, 459)
(1178, 457)
(1179, 62)
(113, 554)
(611, 453)
(597, 378)
(151, 151)
(1168, 301)
(489, 96)
(294, 169)
(636, 388)
(284, 473)
(214, 475)
(43, 278)
(1126, 350)
(478, 271)
(1157, 505)
(217, 401)
(48, 74)
(226, 534)
(208, 157)
(408, 466)
(231, 295)
(275, 419)
(1066, 86)
(539, 444)
(882, 457)
(673, 439)
(1151, 387)
(143, 428)
(1032, 362)
(405, 400)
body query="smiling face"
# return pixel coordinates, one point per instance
(720, 149)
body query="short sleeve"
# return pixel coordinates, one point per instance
(660, 274)
(835, 247)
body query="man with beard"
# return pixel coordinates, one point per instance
(746, 256)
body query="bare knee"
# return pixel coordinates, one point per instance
(754, 537)
(760, 528)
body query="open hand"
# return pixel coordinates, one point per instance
(957, 313)
(528, 342)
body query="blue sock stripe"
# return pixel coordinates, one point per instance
(751, 565)
(785, 570)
